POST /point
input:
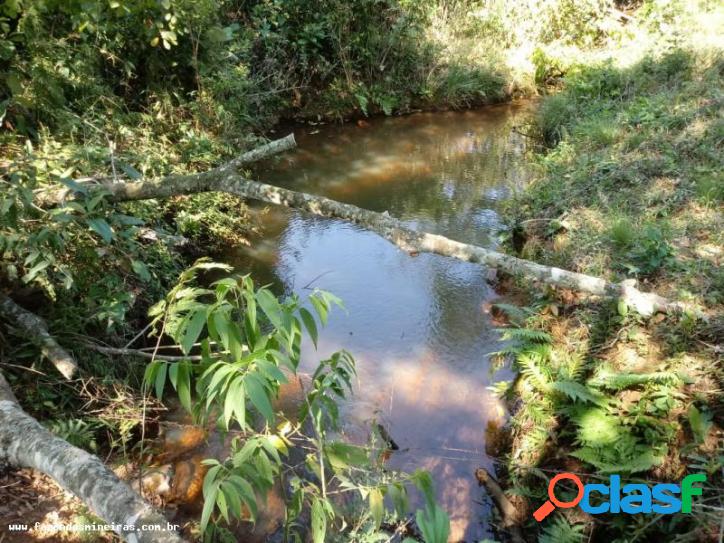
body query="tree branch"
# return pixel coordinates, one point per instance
(35, 329)
(25, 443)
(141, 354)
(224, 179)
(508, 512)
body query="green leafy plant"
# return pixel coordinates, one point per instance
(248, 344)
(560, 384)
(76, 432)
(648, 252)
(559, 530)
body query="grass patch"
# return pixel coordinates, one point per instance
(630, 161)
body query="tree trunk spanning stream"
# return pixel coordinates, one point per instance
(25, 443)
(225, 179)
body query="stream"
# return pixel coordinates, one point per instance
(416, 325)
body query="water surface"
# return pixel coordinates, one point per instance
(416, 324)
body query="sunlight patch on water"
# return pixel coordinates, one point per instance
(414, 324)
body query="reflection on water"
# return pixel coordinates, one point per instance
(415, 324)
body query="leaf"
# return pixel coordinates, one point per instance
(227, 331)
(73, 185)
(596, 427)
(209, 503)
(423, 481)
(233, 497)
(247, 494)
(234, 403)
(35, 270)
(94, 201)
(321, 308)
(517, 315)
(141, 270)
(620, 381)
(343, 455)
(319, 521)
(129, 170)
(149, 376)
(183, 385)
(128, 220)
(196, 323)
(161, 379)
(258, 395)
(398, 495)
(434, 524)
(700, 423)
(578, 392)
(221, 503)
(173, 373)
(309, 324)
(271, 307)
(102, 228)
(376, 506)
(526, 335)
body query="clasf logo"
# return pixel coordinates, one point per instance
(631, 499)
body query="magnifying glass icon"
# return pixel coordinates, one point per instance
(549, 506)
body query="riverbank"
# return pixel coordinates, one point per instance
(124, 91)
(630, 187)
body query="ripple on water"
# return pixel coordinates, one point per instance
(414, 324)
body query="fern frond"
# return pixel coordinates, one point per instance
(516, 314)
(526, 335)
(605, 461)
(578, 392)
(621, 381)
(533, 373)
(512, 350)
(560, 531)
(501, 389)
(539, 414)
(596, 427)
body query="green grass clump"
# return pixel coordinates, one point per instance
(630, 160)
(634, 165)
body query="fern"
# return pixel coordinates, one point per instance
(512, 350)
(578, 392)
(574, 367)
(534, 376)
(560, 531)
(532, 445)
(621, 381)
(77, 432)
(596, 427)
(608, 460)
(501, 389)
(526, 335)
(540, 414)
(516, 314)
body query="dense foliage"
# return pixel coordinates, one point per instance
(630, 187)
(250, 345)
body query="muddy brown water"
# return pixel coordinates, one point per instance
(416, 325)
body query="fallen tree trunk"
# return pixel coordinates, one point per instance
(224, 179)
(35, 329)
(25, 443)
(510, 515)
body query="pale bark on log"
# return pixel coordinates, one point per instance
(25, 443)
(510, 516)
(34, 329)
(224, 179)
